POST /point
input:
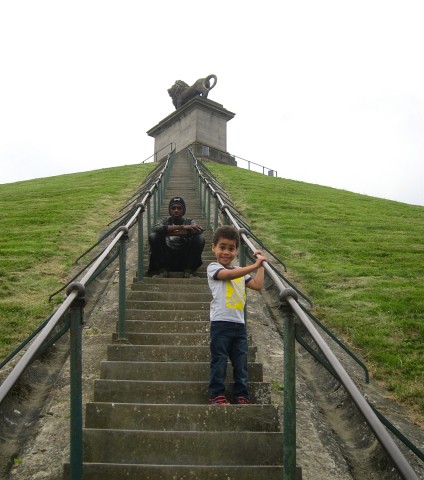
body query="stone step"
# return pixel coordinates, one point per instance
(211, 448)
(164, 353)
(167, 305)
(129, 416)
(192, 281)
(167, 338)
(168, 371)
(198, 287)
(172, 295)
(138, 391)
(167, 315)
(110, 471)
(158, 326)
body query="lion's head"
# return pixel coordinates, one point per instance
(176, 90)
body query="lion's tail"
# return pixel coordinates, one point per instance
(208, 81)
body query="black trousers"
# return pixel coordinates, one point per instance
(189, 257)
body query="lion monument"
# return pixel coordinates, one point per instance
(181, 93)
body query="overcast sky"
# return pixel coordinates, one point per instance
(326, 92)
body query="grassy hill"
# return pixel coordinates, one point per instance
(359, 258)
(45, 224)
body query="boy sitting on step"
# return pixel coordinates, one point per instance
(228, 337)
(176, 243)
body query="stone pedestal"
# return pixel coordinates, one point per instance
(200, 121)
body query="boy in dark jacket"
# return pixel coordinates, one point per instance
(176, 243)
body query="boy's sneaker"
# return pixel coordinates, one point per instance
(219, 400)
(163, 273)
(242, 400)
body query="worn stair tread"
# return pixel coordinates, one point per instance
(170, 353)
(114, 471)
(167, 305)
(168, 392)
(183, 447)
(168, 338)
(163, 326)
(167, 315)
(163, 371)
(139, 416)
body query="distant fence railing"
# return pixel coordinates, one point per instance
(204, 151)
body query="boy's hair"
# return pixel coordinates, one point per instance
(228, 232)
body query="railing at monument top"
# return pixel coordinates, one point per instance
(294, 312)
(149, 198)
(207, 152)
(158, 156)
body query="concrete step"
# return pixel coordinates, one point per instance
(164, 353)
(137, 391)
(186, 282)
(166, 305)
(168, 371)
(167, 315)
(172, 295)
(194, 339)
(198, 287)
(129, 416)
(211, 448)
(158, 326)
(165, 338)
(110, 471)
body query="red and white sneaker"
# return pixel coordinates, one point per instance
(242, 400)
(219, 400)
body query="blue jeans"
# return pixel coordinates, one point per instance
(228, 341)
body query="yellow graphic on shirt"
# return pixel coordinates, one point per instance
(235, 294)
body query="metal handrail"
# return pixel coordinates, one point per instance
(227, 154)
(172, 146)
(289, 301)
(74, 303)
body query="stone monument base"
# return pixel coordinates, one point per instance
(201, 122)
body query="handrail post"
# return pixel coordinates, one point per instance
(140, 250)
(155, 208)
(289, 415)
(208, 207)
(77, 320)
(149, 214)
(122, 282)
(216, 214)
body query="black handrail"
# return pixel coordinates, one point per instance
(289, 297)
(227, 154)
(73, 293)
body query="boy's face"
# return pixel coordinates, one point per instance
(225, 251)
(176, 211)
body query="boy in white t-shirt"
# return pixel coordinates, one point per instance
(228, 329)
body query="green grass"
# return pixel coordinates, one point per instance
(45, 224)
(359, 258)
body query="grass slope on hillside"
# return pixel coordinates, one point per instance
(45, 224)
(359, 258)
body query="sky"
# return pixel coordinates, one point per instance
(324, 92)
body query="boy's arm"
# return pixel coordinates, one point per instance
(231, 274)
(257, 281)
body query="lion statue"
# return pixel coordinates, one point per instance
(181, 93)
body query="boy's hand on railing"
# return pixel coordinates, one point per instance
(260, 258)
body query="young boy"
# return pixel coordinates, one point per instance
(228, 330)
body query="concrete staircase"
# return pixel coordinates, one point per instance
(150, 418)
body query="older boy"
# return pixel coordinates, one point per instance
(176, 243)
(228, 329)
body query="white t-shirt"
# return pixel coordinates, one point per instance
(229, 296)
